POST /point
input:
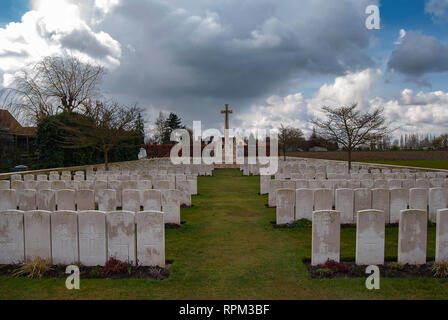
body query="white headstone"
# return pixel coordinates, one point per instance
(323, 199)
(28, 177)
(64, 237)
(107, 200)
(363, 200)
(144, 184)
(185, 187)
(150, 238)
(438, 199)
(412, 237)
(162, 184)
(344, 203)
(399, 199)
(121, 236)
(442, 236)
(326, 237)
(315, 184)
(302, 184)
(152, 200)
(418, 199)
(381, 201)
(42, 177)
(17, 185)
(12, 248)
(5, 184)
(381, 184)
(58, 185)
(131, 200)
(85, 200)
(65, 200)
(46, 200)
(394, 183)
(171, 206)
(285, 206)
(27, 200)
(264, 184)
(92, 238)
(129, 185)
(304, 204)
(99, 186)
(37, 235)
(8, 199)
(115, 185)
(369, 184)
(370, 235)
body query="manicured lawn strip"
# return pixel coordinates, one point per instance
(229, 250)
(434, 164)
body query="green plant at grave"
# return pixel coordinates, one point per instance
(324, 271)
(96, 272)
(440, 269)
(301, 224)
(129, 268)
(397, 266)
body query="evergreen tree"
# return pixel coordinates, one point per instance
(173, 122)
(140, 128)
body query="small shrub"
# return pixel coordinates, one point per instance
(114, 266)
(440, 269)
(96, 272)
(129, 268)
(334, 266)
(391, 273)
(33, 269)
(396, 266)
(323, 271)
(302, 224)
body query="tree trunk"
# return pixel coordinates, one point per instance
(349, 160)
(106, 160)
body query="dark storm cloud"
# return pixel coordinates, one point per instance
(196, 57)
(418, 55)
(85, 41)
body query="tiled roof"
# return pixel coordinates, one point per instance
(8, 122)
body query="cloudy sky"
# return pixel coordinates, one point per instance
(273, 61)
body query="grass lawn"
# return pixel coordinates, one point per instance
(437, 164)
(229, 250)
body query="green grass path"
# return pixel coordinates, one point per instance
(228, 250)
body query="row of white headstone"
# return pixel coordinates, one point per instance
(88, 237)
(370, 237)
(268, 186)
(299, 204)
(122, 182)
(378, 183)
(362, 175)
(167, 201)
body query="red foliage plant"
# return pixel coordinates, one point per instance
(114, 266)
(334, 266)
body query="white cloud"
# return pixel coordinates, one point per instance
(409, 112)
(54, 27)
(289, 110)
(296, 111)
(352, 88)
(438, 8)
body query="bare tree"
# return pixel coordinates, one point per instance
(350, 128)
(289, 137)
(103, 126)
(55, 84)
